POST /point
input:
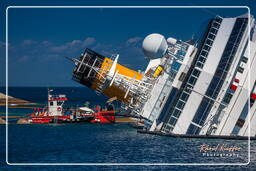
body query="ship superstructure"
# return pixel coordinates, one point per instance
(187, 88)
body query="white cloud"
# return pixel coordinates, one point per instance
(133, 40)
(59, 48)
(129, 50)
(28, 42)
(45, 43)
(74, 45)
(88, 41)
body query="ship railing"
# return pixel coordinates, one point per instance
(57, 96)
(135, 82)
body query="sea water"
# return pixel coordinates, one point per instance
(103, 143)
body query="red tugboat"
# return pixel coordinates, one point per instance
(55, 113)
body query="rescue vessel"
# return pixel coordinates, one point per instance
(55, 112)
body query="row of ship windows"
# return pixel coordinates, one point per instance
(230, 93)
(185, 94)
(193, 78)
(208, 44)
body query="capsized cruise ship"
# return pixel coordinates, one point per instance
(208, 88)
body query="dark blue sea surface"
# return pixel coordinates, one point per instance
(103, 143)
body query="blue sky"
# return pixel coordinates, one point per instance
(39, 38)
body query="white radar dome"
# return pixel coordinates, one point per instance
(171, 40)
(154, 46)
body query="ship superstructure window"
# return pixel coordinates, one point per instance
(182, 76)
(184, 96)
(240, 69)
(173, 120)
(211, 36)
(176, 66)
(206, 47)
(192, 80)
(218, 19)
(244, 59)
(228, 96)
(201, 59)
(214, 31)
(216, 25)
(209, 42)
(180, 104)
(204, 53)
(176, 113)
(196, 73)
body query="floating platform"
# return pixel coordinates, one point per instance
(195, 136)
